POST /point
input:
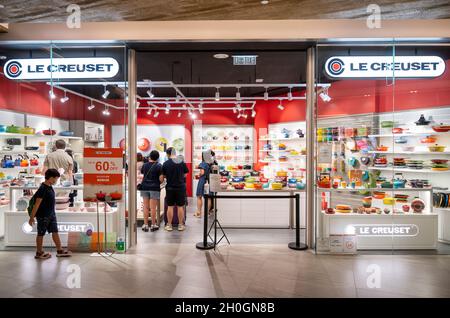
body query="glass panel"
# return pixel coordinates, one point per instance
(353, 140)
(57, 100)
(421, 113)
(25, 108)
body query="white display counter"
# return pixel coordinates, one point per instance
(18, 233)
(258, 212)
(397, 231)
(374, 232)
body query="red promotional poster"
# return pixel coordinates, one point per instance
(103, 177)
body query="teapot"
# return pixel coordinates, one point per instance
(399, 181)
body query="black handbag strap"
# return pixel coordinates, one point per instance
(149, 170)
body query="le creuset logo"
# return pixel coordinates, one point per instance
(63, 227)
(386, 229)
(61, 68)
(384, 66)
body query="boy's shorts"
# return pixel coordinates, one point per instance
(46, 224)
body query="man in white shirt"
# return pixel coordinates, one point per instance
(60, 159)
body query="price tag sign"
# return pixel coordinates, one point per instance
(103, 174)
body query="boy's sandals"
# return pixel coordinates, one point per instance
(42, 255)
(63, 253)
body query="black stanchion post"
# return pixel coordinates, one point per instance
(205, 245)
(297, 245)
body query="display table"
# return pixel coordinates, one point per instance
(18, 233)
(256, 213)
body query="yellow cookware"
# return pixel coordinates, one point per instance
(389, 201)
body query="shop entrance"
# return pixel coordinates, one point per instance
(246, 104)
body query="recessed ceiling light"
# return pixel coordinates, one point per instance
(259, 80)
(1, 6)
(221, 56)
(265, 2)
(3, 57)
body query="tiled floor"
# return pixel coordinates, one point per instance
(257, 264)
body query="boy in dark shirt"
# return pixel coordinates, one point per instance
(44, 212)
(174, 170)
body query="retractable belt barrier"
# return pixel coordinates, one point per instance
(205, 245)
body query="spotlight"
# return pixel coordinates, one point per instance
(290, 94)
(177, 99)
(234, 110)
(167, 108)
(184, 106)
(91, 107)
(217, 95)
(52, 95)
(280, 106)
(200, 111)
(106, 112)
(156, 114)
(65, 98)
(266, 95)
(150, 94)
(239, 115)
(253, 113)
(179, 114)
(149, 112)
(105, 94)
(193, 115)
(238, 94)
(244, 115)
(138, 104)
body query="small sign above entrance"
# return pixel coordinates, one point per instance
(244, 59)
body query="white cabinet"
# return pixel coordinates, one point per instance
(254, 213)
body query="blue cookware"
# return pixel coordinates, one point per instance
(2, 128)
(7, 162)
(18, 161)
(66, 133)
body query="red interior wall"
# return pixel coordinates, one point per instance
(208, 118)
(33, 98)
(348, 97)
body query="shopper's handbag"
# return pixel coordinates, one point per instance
(139, 186)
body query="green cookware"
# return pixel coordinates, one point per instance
(13, 129)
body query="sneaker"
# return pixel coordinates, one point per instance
(168, 228)
(181, 227)
(156, 227)
(42, 255)
(145, 227)
(152, 228)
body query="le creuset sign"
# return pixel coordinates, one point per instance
(384, 66)
(386, 229)
(63, 227)
(61, 68)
